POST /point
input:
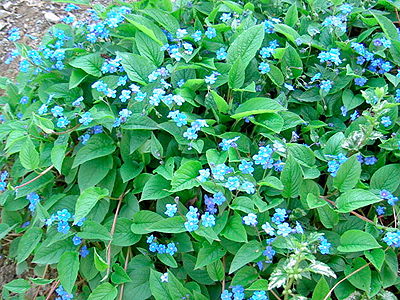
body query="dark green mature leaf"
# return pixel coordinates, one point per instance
(144, 219)
(51, 254)
(292, 64)
(386, 177)
(216, 270)
(137, 67)
(276, 76)
(28, 243)
(247, 253)
(68, 268)
(159, 289)
(139, 271)
(321, 290)
(90, 63)
(93, 171)
(209, 254)
(140, 122)
(28, 156)
(291, 17)
(234, 229)
(237, 74)
(149, 48)
(246, 45)
(18, 286)
(185, 176)
(376, 257)
(329, 218)
(94, 231)
(354, 199)
(291, 178)
(98, 145)
(362, 278)
(348, 174)
(256, 106)
(104, 291)
(58, 151)
(156, 188)
(163, 18)
(387, 26)
(356, 240)
(87, 200)
(148, 27)
(169, 225)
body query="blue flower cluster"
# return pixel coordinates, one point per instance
(171, 210)
(228, 143)
(392, 239)
(86, 136)
(3, 182)
(211, 202)
(334, 164)
(154, 246)
(331, 56)
(14, 34)
(386, 195)
(63, 295)
(33, 201)
(63, 217)
(238, 294)
(386, 121)
(282, 228)
(324, 246)
(368, 160)
(380, 210)
(375, 64)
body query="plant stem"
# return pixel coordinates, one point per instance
(34, 179)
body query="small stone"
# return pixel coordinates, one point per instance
(7, 5)
(49, 16)
(4, 13)
(2, 24)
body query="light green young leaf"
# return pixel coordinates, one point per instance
(87, 200)
(105, 291)
(28, 156)
(356, 240)
(247, 253)
(348, 174)
(354, 199)
(68, 268)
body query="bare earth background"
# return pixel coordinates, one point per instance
(33, 17)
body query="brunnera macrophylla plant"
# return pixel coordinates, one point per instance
(206, 150)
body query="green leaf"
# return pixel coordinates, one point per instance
(46, 255)
(234, 229)
(143, 219)
(136, 67)
(139, 122)
(237, 74)
(222, 106)
(90, 63)
(329, 218)
(303, 154)
(259, 285)
(18, 286)
(348, 174)
(28, 156)
(28, 243)
(163, 18)
(105, 291)
(148, 27)
(247, 253)
(276, 76)
(149, 48)
(245, 276)
(169, 225)
(356, 240)
(256, 106)
(291, 177)
(287, 31)
(291, 17)
(216, 270)
(387, 26)
(354, 199)
(93, 171)
(292, 64)
(362, 278)
(159, 289)
(185, 176)
(5, 229)
(99, 145)
(176, 288)
(350, 100)
(273, 182)
(119, 276)
(156, 188)
(94, 231)
(87, 200)
(99, 262)
(271, 121)
(376, 257)
(209, 254)
(77, 77)
(58, 151)
(246, 45)
(43, 123)
(386, 177)
(321, 290)
(167, 260)
(68, 268)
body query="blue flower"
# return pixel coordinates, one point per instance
(13, 34)
(63, 215)
(354, 115)
(250, 219)
(197, 35)
(85, 118)
(190, 134)
(192, 223)
(268, 229)
(78, 101)
(263, 157)
(284, 229)
(221, 53)
(208, 220)
(153, 247)
(246, 167)
(346, 8)
(33, 201)
(84, 251)
(233, 183)
(24, 100)
(171, 249)
(326, 85)
(370, 160)
(211, 33)
(63, 122)
(162, 249)
(76, 240)
(204, 175)
(360, 81)
(219, 198)
(316, 77)
(180, 33)
(380, 210)
(264, 68)
(57, 111)
(259, 295)
(386, 121)
(225, 17)
(279, 216)
(63, 227)
(248, 187)
(332, 55)
(269, 252)
(24, 66)
(171, 210)
(343, 110)
(324, 246)
(226, 295)
(392, 239)
(226, 144)
(211, 79)
(164, 277)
